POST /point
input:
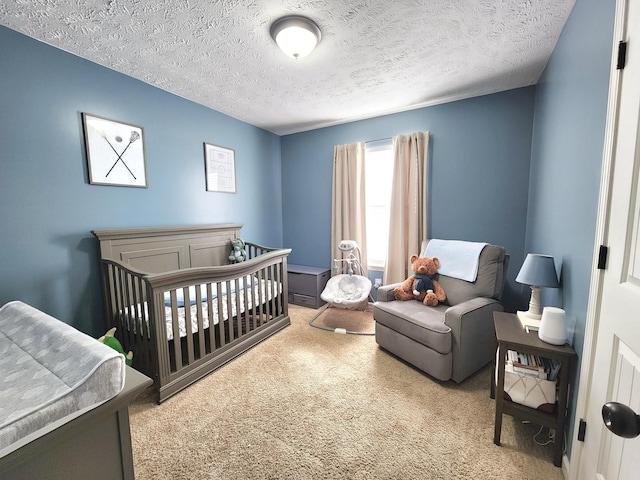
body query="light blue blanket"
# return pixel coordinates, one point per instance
(458, 259)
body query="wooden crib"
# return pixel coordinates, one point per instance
(181, 307)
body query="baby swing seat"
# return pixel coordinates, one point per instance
(347, 291)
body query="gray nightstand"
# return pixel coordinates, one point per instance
(512, 336)
(306, 284)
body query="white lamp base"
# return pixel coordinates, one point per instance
(528, 320)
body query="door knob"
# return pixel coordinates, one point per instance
(621, 419)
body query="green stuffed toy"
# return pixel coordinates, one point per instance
(238, 253)
(109, 340)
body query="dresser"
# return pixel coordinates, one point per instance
(306, 284)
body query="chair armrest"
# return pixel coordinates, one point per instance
(473, 340)
(385, 293)
(454, 314)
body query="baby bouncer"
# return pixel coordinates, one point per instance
(350, 290)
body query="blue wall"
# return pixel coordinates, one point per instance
(568, 140)
(479, 150)
(49, 258)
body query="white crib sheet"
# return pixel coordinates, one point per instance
(266, 293)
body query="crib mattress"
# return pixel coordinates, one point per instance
(49, 371)
(255, 296)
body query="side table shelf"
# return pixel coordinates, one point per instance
(512, 336)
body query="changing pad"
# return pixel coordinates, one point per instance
(49, 371)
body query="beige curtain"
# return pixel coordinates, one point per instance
(348, 200)
(408, 225)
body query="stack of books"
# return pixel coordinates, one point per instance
(532, 365)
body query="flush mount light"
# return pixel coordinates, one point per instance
(295, 35)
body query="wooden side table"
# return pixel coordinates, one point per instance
(512, 336)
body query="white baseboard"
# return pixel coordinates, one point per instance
(565, 467)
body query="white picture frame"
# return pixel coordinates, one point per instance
(115, 152)
(220, 168)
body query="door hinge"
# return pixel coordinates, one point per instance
(602, 257)
(622, 55)
(582, 427)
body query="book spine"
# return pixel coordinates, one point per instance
(532, 365)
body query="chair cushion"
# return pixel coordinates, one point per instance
(489, 282)
(422, 324)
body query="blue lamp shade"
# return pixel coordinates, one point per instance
(538, 271)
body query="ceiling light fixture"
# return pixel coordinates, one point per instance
(295, 35)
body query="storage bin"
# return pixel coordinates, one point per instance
(528, 390)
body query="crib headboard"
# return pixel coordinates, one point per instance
(162, 249)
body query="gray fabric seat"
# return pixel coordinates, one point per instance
(454, 339)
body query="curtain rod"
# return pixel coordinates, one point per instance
(378, 140)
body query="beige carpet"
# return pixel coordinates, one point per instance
(312, 404)
(356, 321)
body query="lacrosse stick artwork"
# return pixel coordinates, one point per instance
(134, 136)
(106, 150)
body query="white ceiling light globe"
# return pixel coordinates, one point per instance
(296, 36)
(296, 41)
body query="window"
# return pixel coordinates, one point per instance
(378, 176)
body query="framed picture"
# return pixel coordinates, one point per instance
(220, 168)
(115, 152)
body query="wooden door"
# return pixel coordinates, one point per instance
(613, 365)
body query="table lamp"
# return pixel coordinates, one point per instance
(537, 271)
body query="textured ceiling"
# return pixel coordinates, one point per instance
(375, 57)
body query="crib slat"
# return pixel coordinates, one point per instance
(235, 314)
(220, 317)
(271, 295)
(199, 316)
(212, 326)
(260, 299)
(230, 319)
(278, 286)
(188, 325)
(109, 291)
(123, 305)
(142, 329)
(246, 301)
(177, 344)
(131, 305)
(134, 329)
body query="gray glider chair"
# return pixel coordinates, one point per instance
(455, 338)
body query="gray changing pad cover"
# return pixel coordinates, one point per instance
(48, 371)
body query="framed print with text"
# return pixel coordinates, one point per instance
(220, 168)
(115, 152)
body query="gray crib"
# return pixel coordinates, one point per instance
(181, 307)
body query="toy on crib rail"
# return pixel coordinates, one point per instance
(238, 253)
(109, 340)
(422, 285)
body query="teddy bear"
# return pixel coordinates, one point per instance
(111, 341)
(422, 285)
(238, 253)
